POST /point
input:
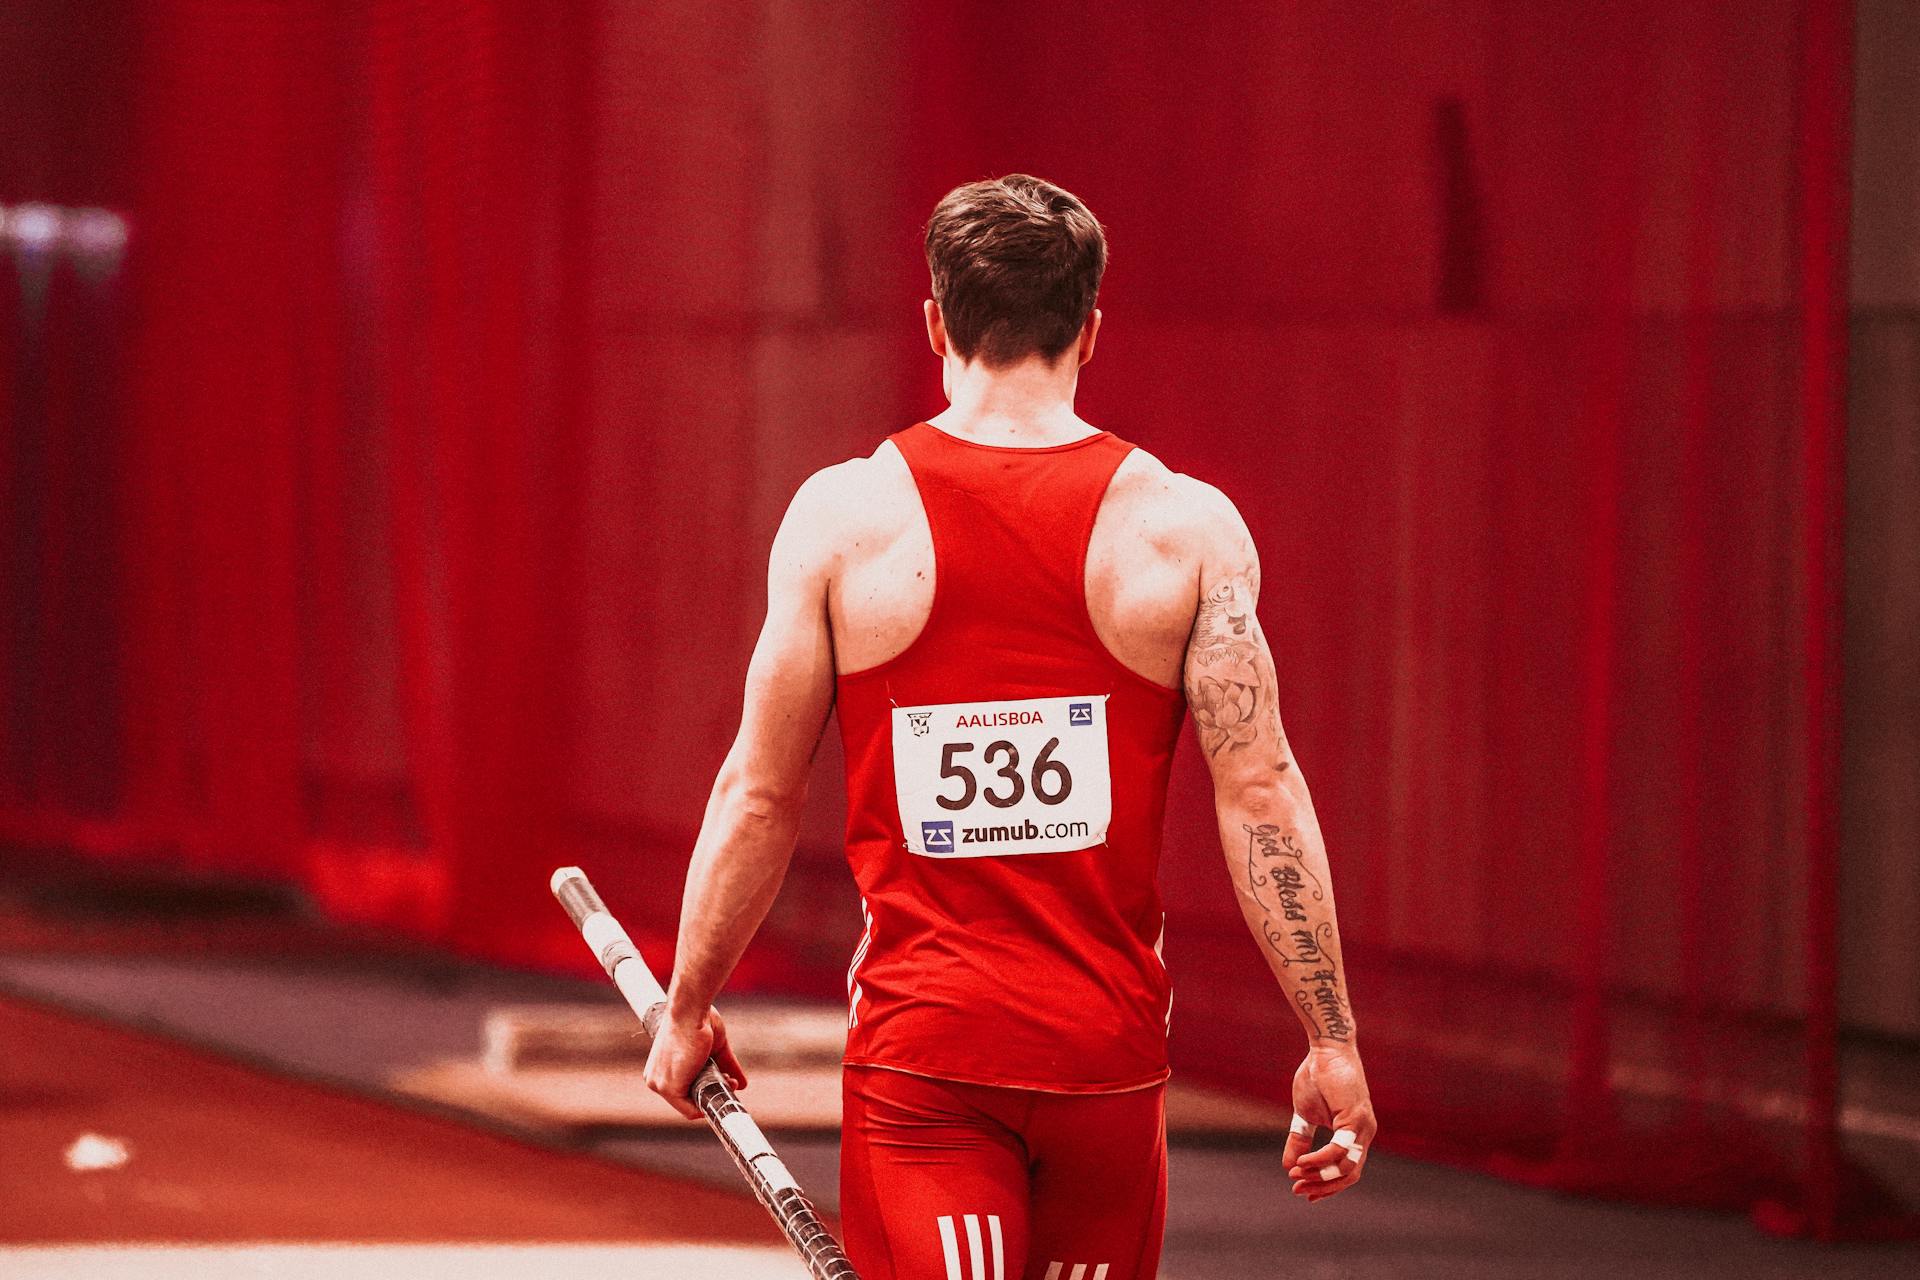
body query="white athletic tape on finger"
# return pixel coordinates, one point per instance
(1301, 1128)
(758, 1151)
(1345, 1138)
(1329, 1172)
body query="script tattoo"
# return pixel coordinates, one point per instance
(1277, 864)
(1320, 995)
(1223, 684)
(1286, 871)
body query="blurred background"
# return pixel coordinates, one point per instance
(400, 395)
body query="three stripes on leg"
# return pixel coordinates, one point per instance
(976, 1247)
(979, 1249)
(1079, 1272)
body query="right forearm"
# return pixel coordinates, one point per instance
(1277, 862)
(738, 863)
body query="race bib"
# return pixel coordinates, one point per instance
(994, 779)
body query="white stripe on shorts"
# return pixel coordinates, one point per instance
(951, 1247)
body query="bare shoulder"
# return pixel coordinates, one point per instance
(1162, 540)
(832, 489)
(851, 503)
(1179, 516)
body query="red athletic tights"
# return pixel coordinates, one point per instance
(948, 1181)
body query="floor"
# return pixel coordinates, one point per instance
(386, 1262)
(131, 1154)
(244, 1060)
(350, 1023)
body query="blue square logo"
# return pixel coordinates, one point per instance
(937, 837)
(1079, 713)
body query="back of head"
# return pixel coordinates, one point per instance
(1016, 266)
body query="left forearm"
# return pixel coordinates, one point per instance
(746, 841)
(1278, 863)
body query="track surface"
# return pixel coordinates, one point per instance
(223, 1153)
(238, 1171)
(411, 1261)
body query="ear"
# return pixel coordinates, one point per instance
(1089, 334)
(936, 328)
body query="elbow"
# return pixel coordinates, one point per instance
(762, 801)
(1257, 799)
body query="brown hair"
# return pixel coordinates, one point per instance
(1016, 266)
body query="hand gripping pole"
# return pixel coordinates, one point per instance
(751, 1152)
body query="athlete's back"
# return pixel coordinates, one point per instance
(1006, 777)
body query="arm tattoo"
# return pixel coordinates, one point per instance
(1283, 884)
(1228, 679)
(1223, 684)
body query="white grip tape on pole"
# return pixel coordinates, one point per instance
(758, 1151)
(642, 989)
(600, 929)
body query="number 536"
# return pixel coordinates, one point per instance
(1046, 770)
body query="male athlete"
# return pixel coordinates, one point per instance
(1005, 604)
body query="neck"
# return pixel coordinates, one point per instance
(1030, 403)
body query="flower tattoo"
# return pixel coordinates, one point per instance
(1224, 688)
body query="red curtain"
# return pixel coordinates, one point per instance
(473, 356)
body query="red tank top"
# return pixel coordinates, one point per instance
(1006, 781)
